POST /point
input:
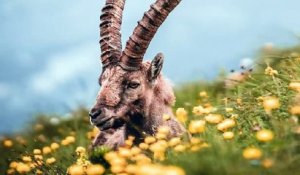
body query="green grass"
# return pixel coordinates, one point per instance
(222, 156)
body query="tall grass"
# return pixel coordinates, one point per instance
(243, 103)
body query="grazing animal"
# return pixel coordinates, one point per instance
(134, 95)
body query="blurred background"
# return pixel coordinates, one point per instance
(49, 51)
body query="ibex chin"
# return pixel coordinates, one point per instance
(134, 95)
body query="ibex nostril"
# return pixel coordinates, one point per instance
(94, 113)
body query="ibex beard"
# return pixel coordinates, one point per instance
(133, 103)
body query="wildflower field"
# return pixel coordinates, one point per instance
(248, 127)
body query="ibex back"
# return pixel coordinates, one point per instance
(134, 95)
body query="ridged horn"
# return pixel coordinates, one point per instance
(110, 34)
(138, 42)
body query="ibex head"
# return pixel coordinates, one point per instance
(132, 92)
(125, 93)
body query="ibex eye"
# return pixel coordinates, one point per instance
(133, 85)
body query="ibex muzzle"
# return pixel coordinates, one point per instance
(133, 95)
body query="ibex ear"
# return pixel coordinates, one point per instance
(155, 67)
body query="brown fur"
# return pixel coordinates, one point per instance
(136, 112)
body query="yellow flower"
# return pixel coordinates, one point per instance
(149, 140)
(239, 101)
(50, 161)
(270, 103)
(166, 117)
(32, 165)
(205, 145)
(148, 169)
(159, 156)
(160, 136)
(234, 116)
(198, 110)
(76, 170)
(228, 135)
(179, 148)
(174, 141)
(295, 86)
(37, 151)
(203, 94)
(141, 159)
(38, 157)
(65, 142)
(163, 143)
(110, 155)
(131, 138)
(252, 153)
(13, 164)
(7, 143)
(124, 152)
(260, 99)
(295, 110)
(181, 115)
(116, 169)
(213, 118)
(54, 146)
(173, 170)
(270, 71)
(23, 168)
(197, 126)
(195, 141)
(95, 170)
(157, 147)
(128, 143)
(151, 169)
(46, 150)
(70, 139)
(131, 169)
(267, 163)
(208, 109)
(92, 134)
(135, 150)
(264, 135)
(228, 109)
(226, 124)
(83, 161)
(80, 151)
(118, 161)
(195, 148)
(26, 159)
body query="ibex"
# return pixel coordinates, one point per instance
(133, 95)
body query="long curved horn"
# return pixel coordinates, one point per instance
(110, 26)
(138, 42)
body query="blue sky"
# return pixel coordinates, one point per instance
(49, 52)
